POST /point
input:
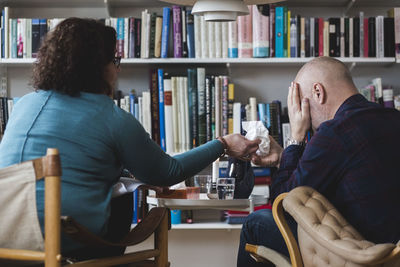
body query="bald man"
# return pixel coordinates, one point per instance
(352, 159)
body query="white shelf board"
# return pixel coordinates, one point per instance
(203, 226)
(230, 61)
(206, 226)
(52, 3)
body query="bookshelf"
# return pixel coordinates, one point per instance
(220, 61)
(264, 78)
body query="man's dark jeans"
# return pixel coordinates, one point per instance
(260, 229)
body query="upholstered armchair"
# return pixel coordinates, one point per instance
(325, 238)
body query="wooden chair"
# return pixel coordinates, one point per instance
(21, 240)
(325, 237)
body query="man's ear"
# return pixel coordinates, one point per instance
(319, 93)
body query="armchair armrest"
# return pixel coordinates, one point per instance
(141, 232)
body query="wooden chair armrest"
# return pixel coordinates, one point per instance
(141, 232)
(291, 243)
(267, 255)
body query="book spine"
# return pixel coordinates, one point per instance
(293, 38)
(279, 24)
(120, 37)
(208, 108)
(218, 39)
(192, 87)
(237, 118)
(165, 32)
(184, 33)
(177, 27)
(126, 37)
(379, 34)
(202, 105)
(131, 46)
(316, 37)
(28, 27)
(326, 38)
(157, 44)
(20, 42)
(204, 37)
(303, 38)
(342, 37)
(272, 31)
(169, 137)
(143, 34)
(346, 37)
(224, 94)
(211, 38)
(321, 36)
(361, 34)
(245, 35)
(307, 37)
(152, 45)
(312, 37)
(262, 113)
(155, 120)
(225, 37)
(288, 33)
(218, 107)
(175, 115)
(351, 37)
(372, 37)
(260, 30)
(7, 33)
(366, 36)
(14, 38)
(232, 39)
(389, 49)
(148, 35)
(396, 15)
(231, 98)
(190, 28)
(285, 32)
(138, 33)
(185, 114)
(356, 38)
(197, 36)
(161, 108)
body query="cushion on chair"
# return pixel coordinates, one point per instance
(19, 220)
(325, 237)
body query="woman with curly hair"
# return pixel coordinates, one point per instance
(71, 109)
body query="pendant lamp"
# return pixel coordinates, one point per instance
(220, 10)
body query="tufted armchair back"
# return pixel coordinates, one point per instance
(325, 238)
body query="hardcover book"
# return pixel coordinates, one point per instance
(165, 32)
(245, 36)
(177, 27)
(260, 30)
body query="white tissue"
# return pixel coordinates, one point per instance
(257, 130)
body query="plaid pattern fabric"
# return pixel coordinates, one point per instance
(353, 160)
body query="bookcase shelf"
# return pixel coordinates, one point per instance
(220, 61)
(206, 226)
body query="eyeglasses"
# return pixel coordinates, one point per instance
(117, 61)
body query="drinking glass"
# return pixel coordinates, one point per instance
(225, 188)
(204, 182)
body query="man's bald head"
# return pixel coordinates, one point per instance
(327, 83)
(328, 71)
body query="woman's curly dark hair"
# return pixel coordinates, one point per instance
(72, 58)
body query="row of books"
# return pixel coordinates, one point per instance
(21, 37)
(182, 112)
(378, 93)
(268, 31)
(6, 106)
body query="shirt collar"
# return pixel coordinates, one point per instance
(349, 103)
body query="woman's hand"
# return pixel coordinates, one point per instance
(240, 147)
(272, 159)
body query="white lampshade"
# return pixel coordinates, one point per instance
(220, 10)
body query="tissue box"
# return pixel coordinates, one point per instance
(186, 193)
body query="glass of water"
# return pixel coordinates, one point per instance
(204, 182)
(225, 188)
